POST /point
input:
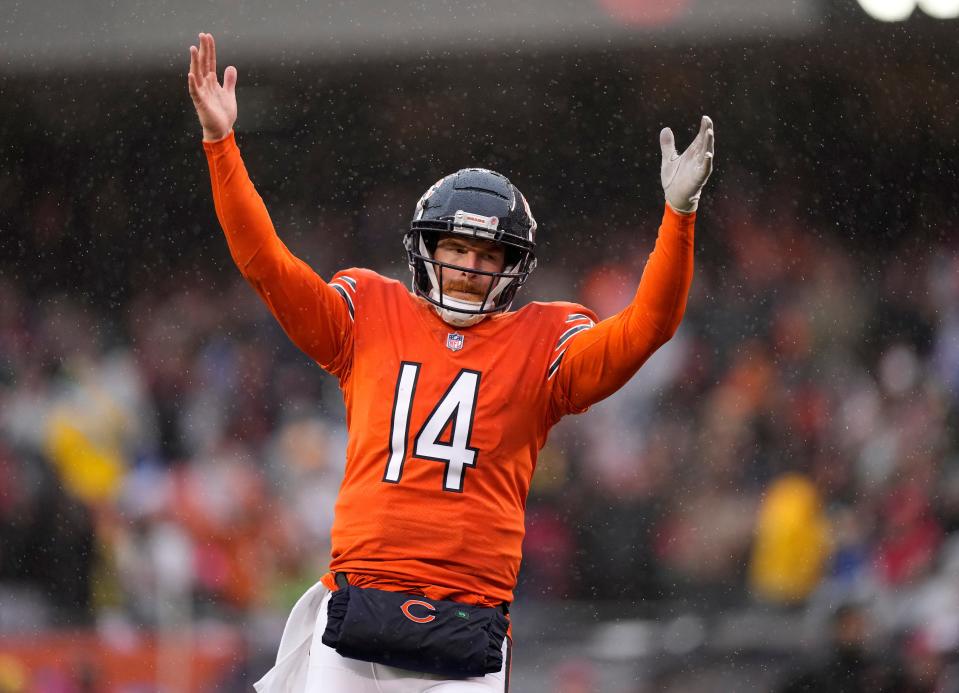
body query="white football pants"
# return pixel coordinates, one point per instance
(305, 665)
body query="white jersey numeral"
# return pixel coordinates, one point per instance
(455, 410)
(400, 421)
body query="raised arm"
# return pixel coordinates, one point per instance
(311, 312)
(601, 360)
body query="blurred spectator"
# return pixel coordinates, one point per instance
(792, 541)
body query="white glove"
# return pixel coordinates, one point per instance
(684, 176)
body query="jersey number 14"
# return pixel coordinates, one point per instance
(454, 410)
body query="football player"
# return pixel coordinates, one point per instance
(449, 397)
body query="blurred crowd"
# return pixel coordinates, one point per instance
(166, 453)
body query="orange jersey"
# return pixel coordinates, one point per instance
(444, 423)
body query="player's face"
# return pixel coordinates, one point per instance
(470, 254)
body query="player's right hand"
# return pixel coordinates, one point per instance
(215, 104)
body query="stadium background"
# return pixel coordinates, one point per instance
(783, 474)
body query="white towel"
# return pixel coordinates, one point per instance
(288, 675)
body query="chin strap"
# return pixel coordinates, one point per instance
(454, 317)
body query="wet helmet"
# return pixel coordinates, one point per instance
(475, 203)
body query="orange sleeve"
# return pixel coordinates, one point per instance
(313, 314)
(602, 359)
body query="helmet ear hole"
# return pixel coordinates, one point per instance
(431, 239)
(513, 256)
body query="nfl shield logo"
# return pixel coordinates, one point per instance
(454, 341)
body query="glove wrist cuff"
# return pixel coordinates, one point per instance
(693, 205)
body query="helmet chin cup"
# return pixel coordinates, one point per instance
(457, 319)
(457, 311)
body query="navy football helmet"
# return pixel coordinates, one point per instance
(476, 203)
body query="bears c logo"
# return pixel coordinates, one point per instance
(417, 619)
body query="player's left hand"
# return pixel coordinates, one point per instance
(685, 175)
